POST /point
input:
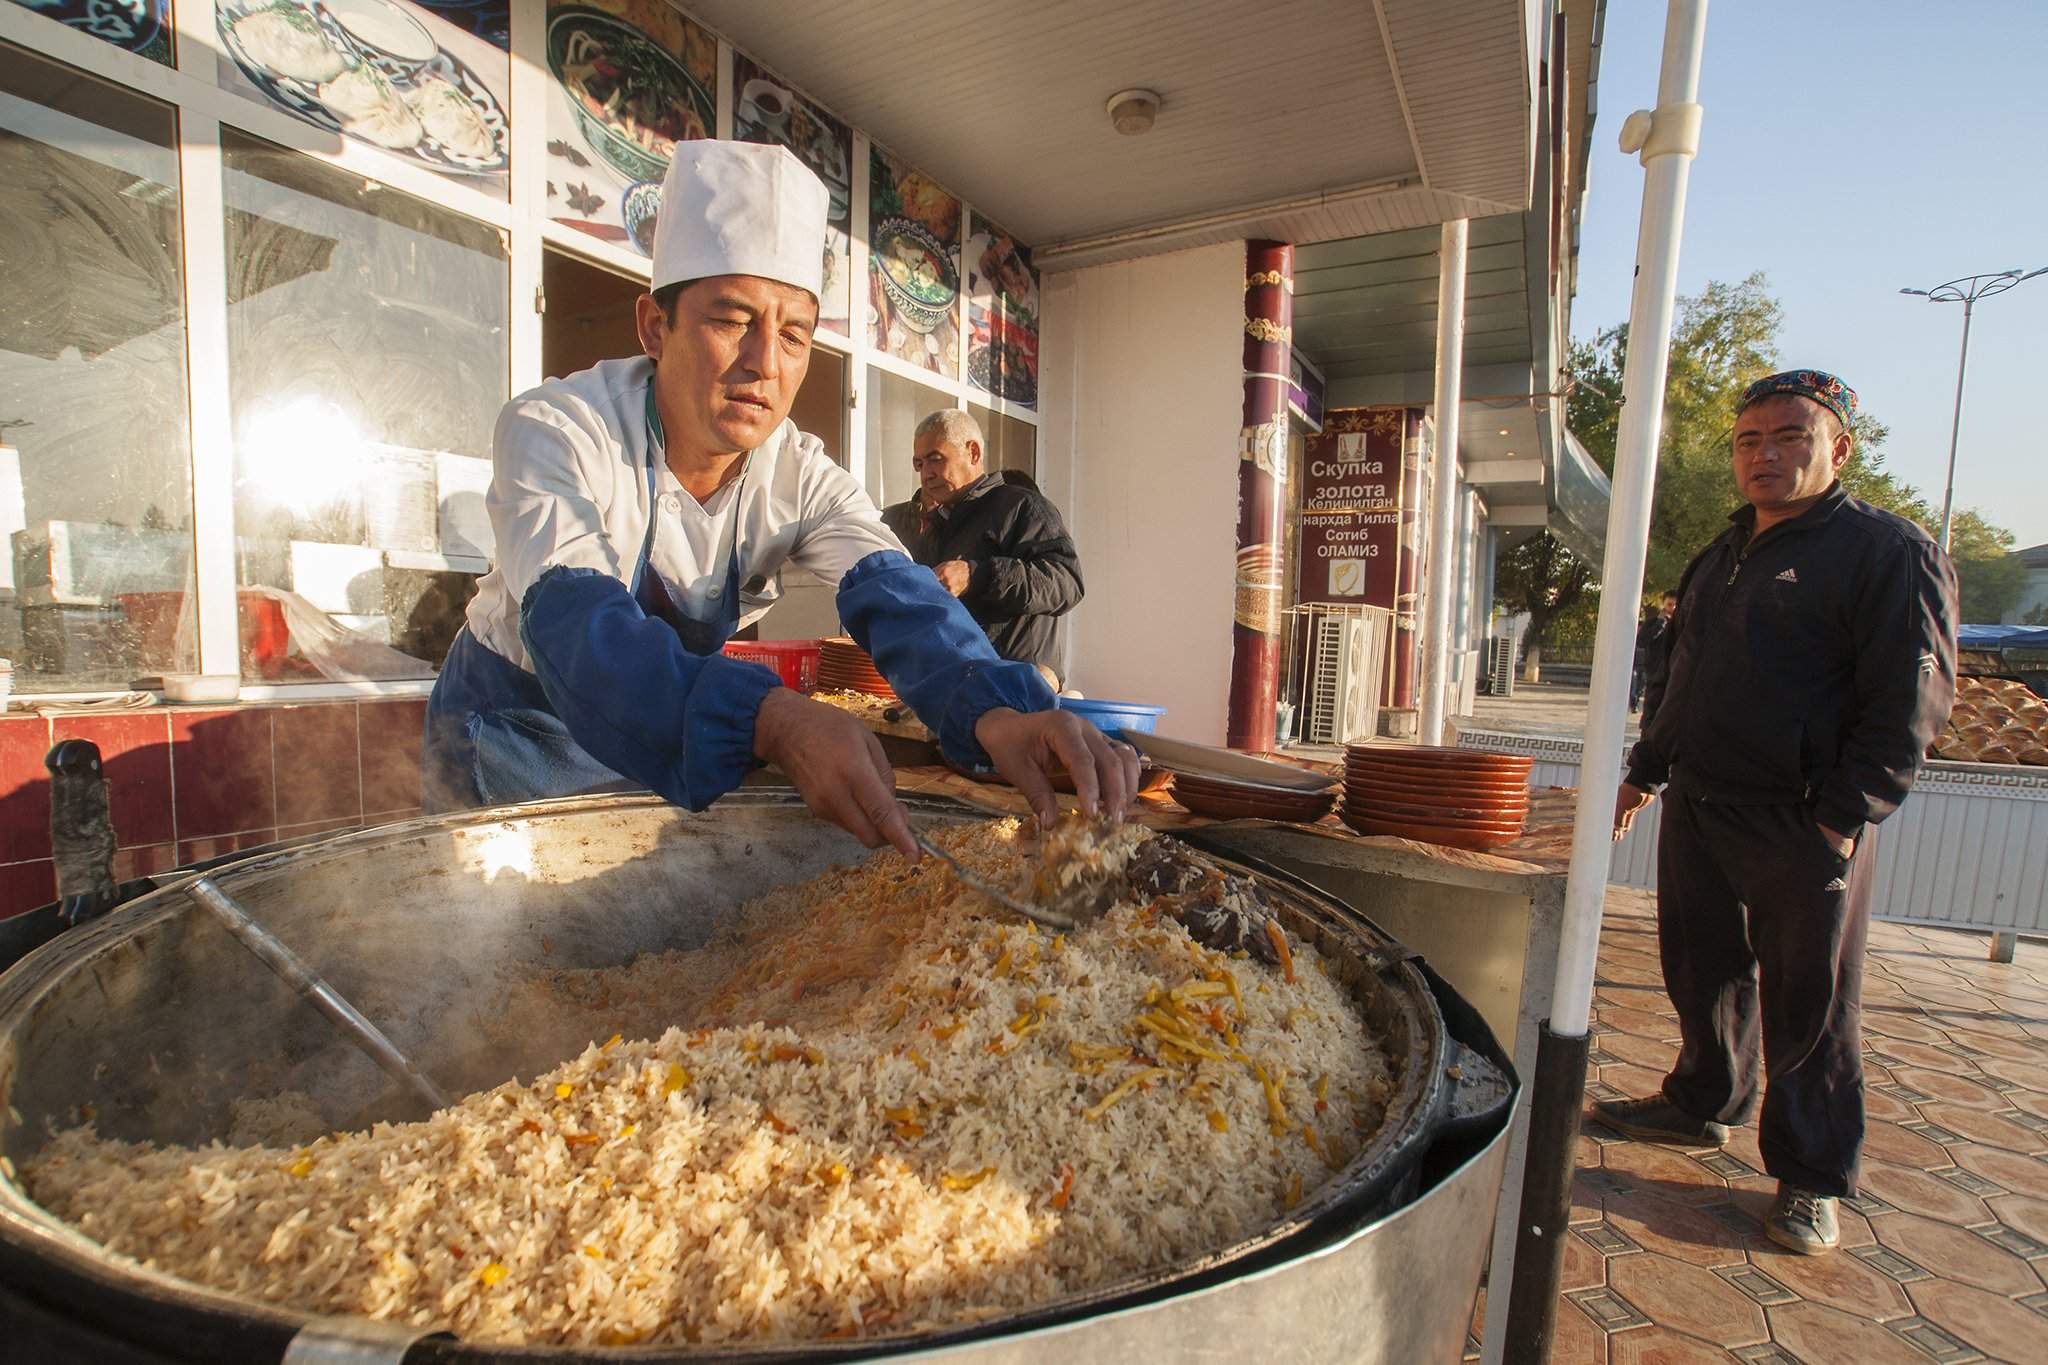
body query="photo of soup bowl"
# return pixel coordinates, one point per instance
(384, 34)
(917, 273)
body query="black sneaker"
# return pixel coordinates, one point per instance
(1656, 1119)
(1803, 1221)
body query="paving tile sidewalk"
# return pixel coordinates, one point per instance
(1944, 1257)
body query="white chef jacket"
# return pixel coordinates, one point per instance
(569, 487)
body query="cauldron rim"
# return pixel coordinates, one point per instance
(35, 1246)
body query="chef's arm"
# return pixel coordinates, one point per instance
(681, 723)
(932, 652)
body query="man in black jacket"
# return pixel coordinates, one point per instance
(999, 547)
(1649, 634)
(1811, 661)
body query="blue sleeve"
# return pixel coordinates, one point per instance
(932, 652)
(629, 692)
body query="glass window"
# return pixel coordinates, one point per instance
(895, 406)
(95, 454)
(820, 406)
(1011, 444)
(367, 362)
(589, 317)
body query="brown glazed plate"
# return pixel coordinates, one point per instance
(1508, 785)
(1508, 789)
(1438, 814)
(1448, 838)
(1438, 760)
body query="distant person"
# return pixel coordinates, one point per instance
(997, 545)
(1649, 635)
(1811, 661)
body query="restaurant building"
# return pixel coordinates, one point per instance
(270, 268)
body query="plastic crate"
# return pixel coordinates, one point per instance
(794, 661)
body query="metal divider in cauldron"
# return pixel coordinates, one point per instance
(268, 949)
(1377, 1265)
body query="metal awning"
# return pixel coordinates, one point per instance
(1296, 120)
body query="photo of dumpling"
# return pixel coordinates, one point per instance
(453, 120)
(288, 42)
(370, 109)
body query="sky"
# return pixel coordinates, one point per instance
(1851, 148)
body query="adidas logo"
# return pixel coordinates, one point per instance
(1838, 884)
(1789, 576)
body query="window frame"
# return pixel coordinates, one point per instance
(203, 107)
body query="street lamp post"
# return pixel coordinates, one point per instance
(1966, 292)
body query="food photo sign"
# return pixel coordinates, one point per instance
(632, 79)
(913, 266)
(1002, 316)
(139, 26)
(393, 75)
(767, 110)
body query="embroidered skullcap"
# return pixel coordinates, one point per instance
(1823, 388)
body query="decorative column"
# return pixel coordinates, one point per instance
(1261, 489)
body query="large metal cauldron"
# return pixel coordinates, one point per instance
(155, 1021)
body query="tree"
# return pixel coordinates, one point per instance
(1723, 339)
(1539, 576)
(1989, 576)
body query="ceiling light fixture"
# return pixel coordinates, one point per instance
(1132, 111)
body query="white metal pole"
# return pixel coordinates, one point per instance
(1668, 141)
(1955, 431)
(1437, 586)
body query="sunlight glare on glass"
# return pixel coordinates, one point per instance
(305, 453)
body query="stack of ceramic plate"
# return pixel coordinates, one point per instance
(1223, 798)
(1463, 798)
(1228, 785)
(844, 666)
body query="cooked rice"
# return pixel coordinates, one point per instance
(947, 1115)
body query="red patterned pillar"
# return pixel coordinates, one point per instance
(1261, 483)
(1406, 645)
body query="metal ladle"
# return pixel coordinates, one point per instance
(273, 954)
(993, 892)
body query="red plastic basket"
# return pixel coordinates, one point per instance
(795, 661)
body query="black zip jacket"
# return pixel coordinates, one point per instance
(1024, 571)
(1813, 663)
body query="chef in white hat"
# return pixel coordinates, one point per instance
(644, 510)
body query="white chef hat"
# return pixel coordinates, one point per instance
(740, 208)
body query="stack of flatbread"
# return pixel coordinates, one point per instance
(1994, 720)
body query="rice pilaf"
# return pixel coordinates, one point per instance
(901, 1110)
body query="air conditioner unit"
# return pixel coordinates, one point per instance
(1326, 646)
(1500, 665)
(1362, 666)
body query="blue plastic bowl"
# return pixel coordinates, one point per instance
(1113, 716)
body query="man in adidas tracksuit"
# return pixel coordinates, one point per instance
(1811, 662)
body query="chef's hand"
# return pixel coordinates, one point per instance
(953, 575)
(837, 765)
(1026, 747)
(1628, 803)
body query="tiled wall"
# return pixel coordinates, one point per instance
(186, 783)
